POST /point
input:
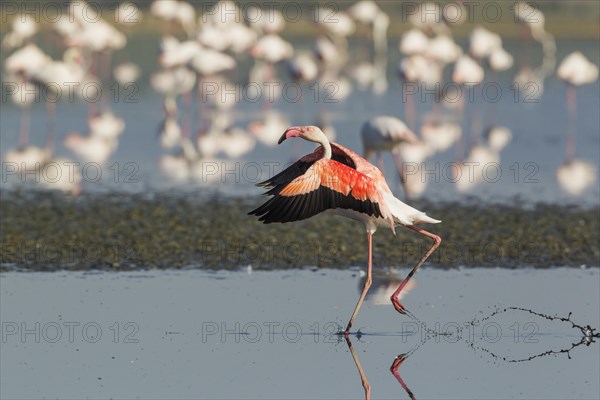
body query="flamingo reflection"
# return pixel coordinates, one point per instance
(394, 370)
(363, 377)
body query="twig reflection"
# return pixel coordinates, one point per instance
(588, 336)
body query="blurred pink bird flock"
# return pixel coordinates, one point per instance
(212, 62)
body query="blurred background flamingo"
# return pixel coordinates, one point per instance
(228, 79)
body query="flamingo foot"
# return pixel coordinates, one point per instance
(398, 361)
(347, 331)
(401, 309)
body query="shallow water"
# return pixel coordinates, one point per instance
(195, 334)
(527, 169)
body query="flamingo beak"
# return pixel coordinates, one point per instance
(290, 132)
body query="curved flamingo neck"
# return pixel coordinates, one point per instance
(326, 148)
(317, 136)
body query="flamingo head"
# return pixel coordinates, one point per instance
(310, 133)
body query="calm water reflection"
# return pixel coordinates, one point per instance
(181, 334)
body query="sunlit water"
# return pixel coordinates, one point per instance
(193, 334)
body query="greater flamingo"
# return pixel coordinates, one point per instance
(575, 70)
(467, 72)
(175, 13)
(333, 178)
(482, 42)
(268, 129)
(417, 69)
(574, 176)
(62, 175)
(384, 133)
(127, 73)
(481, 156)
(413, 42)
(24, 28)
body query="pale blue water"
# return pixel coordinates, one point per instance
(194, 334)
(528, 164)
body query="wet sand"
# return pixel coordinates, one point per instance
(45, 231)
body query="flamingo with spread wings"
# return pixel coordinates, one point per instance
(333, 178)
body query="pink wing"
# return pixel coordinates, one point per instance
(326, 184)
(363, 166)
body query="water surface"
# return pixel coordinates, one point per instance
(193, 334)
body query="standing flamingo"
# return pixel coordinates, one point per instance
(383, 133)
(575, 70)
(574, 175)
(24, 27)
(334, 178)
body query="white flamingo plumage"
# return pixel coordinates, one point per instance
(500, 59)
(385, 133)
(23, 28)
(268, 129)
(90, 148)
(439, 137)
(467, 71)
(414, 41)
(27, 158)
(482, 42)
(443, 49)
(126, 73)
(61, 174)
(575, 176)
(272, 48)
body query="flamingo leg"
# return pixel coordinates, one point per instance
(476, 127)
(187, 110)
(410, 111)
(460, 144)
(400, 168)
(50, 134)
(202, 110)
(492, 111)
(94, 67)
(572, 108)
(436, 243)
(394, 369)
(105, 61)
(363, 377)
(368, 283)
(51, 112)
(270, 77)
(24, 128)
(379, 161)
